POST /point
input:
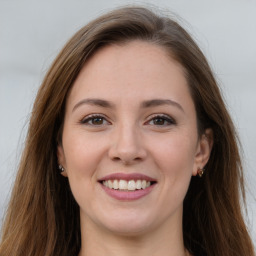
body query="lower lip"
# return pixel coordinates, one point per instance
(128, 195)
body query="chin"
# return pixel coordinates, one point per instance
(128, 229)
(126, 223)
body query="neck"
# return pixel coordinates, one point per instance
(165, 240)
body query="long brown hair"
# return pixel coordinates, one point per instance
(43, 217)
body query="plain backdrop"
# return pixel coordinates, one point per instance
(32, 33)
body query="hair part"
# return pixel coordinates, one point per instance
(43, 217)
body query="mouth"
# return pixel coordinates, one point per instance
(127, 185)
(123, 186)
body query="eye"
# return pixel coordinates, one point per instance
(95, 120)
(161, 120)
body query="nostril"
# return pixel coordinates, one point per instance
(116, 159)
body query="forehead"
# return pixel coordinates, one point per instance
(133, 69)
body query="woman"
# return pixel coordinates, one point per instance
(130, 150)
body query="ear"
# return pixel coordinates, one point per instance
(62, 159)
(203, 151)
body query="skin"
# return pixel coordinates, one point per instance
(129, 137)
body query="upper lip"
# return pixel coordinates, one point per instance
(126, 176)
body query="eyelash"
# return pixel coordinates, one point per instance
(92, 117)
(165, 118)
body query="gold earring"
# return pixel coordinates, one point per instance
(200, 172)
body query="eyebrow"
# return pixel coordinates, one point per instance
(94, 102)
(144, 104)
(160, 102)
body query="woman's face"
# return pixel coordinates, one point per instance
(130, 143)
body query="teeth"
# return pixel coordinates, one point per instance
(143, 184)
(123, 184)
(130, 185)
(138, 184)
(110, 184)
(115, 184)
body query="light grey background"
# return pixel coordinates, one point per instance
(32, 32)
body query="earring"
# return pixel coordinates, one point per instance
(61, 168)
(200, 172)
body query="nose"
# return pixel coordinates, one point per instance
(127, 145)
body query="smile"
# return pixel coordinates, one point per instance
(126, 185)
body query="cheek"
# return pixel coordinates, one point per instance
(81, 155)
(175, 159)
(82, 158)
(176, 151)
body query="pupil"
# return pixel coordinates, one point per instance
(97, 120)
(159, 121)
